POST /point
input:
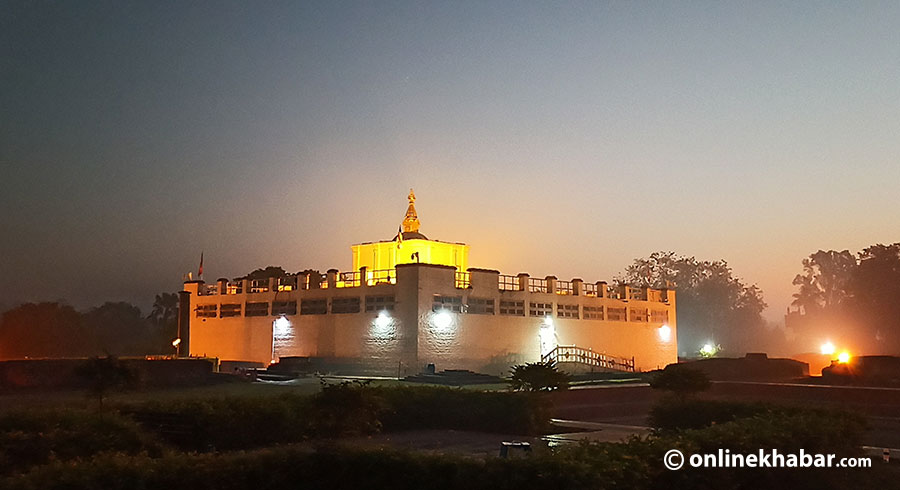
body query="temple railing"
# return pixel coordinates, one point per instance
(349, 279)
(565, 288)
(536, 285)
(383, 276)
(463, 280)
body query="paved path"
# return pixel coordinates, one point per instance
(592, 431)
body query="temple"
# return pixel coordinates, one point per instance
(410, 301)
(409, 246)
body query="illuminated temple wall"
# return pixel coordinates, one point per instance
(386, 255)
(410, 337)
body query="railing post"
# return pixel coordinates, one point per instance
(551, 284)
(577, 287)
(523, 281)
(602, 291)
(315, 280)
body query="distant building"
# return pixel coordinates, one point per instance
(412, 301)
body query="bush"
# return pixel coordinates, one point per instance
(538, 376)
(449, 408)
(33, 438)
(228, 423)
(673, 412)
(680, 380)
(293, 467)
(338, 410)
(635, 464)
(638, 463)
(813, 431)
(348, 408)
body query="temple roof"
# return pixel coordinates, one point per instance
(411, 221)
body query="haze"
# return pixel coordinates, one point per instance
(563, 140)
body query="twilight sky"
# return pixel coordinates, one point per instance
(554, 138)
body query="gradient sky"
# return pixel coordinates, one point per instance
(554, 138)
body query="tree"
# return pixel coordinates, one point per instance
(120, 328)
(825, 282)
(876, 295)
(165, 309)
(105, 374)
(42, 330)
(851, 299)
(269, 271)
(538, 376)
(164, 316)
(713, 306)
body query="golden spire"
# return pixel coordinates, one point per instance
(411, 221)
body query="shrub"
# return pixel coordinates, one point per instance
(673, 412)
(538, 376)
(348, 408)
(638, 463)
(293, 467)
(32, 438)
(635, 464)
(814, 431)
(338, 410)
(680, 380)
(429, 407)
(227, 423)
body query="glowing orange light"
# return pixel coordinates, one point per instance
(844, 357)
(827, 348)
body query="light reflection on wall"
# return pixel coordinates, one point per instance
(383, 325)
(282, 335)
(547, 334)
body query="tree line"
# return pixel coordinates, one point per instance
(54, 329)
(713, 307)
(854, 298)
(849, 298)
